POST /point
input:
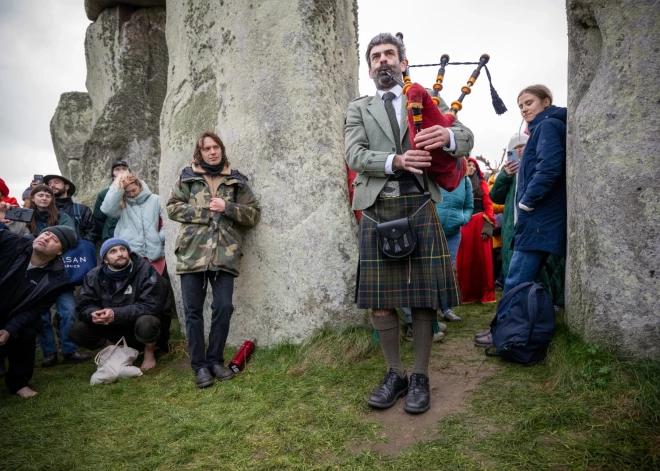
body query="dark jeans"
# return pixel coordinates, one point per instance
(193, 289)
(19, 351)
(147, 329)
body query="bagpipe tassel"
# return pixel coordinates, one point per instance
(498, 104)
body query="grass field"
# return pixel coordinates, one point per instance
(303, 408)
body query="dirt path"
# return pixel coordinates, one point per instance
(457, 368)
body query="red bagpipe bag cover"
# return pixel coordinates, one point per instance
(445, 169)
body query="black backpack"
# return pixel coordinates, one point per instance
(523, 333)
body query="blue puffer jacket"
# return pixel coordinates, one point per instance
(456, 208)
(138, 221)
(542, 185)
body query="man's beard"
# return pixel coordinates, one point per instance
(384, 81)
(59, 193)
(120, 264)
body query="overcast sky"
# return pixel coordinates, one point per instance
(42, 56)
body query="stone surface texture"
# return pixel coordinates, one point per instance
(93, 8)
(613, 172)
(273, 79)
(70, 128)
(126, 54)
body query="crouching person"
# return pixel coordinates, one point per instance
(124, 297)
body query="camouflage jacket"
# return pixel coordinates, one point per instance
(207, 240)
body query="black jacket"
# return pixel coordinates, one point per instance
(144, 292)
(83, 217)
(15, 251)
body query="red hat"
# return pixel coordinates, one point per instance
(3, 188)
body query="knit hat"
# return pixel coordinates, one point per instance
(26, 193)
(72, 187)
(117, 163)
(516, 140)
(65, 235)
(3, 188)
(113, 242)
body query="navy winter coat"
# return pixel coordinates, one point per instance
(456, 207)
(542, 185)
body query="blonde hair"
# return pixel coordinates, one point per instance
(120, 181)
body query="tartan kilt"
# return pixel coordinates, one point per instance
(423, 280)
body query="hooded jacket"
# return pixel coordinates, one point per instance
(209, 241)
(4, 189)
(15, 253)
(138, 223)
(143, 292)
(456, 208)
(542, 185)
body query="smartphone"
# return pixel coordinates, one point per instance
(39, 179)
(19, 214)
(512, 156)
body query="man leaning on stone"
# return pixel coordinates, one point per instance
(124, 297)
(31, 278)
(389, 187)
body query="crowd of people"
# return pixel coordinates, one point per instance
(488, 232)
(129, 293)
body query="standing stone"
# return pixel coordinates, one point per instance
(127, 82)
(273, 79)
(93, 8)
(69, 129)
(613, 174)
(126, 56)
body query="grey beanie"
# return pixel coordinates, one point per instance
(66, 236)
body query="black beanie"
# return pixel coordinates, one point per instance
(66, 236)
(117, 163)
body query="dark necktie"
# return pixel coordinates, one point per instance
(391, 114)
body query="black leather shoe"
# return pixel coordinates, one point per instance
(392, 388)
(50, 360)
(203, 378)
(221, 372)
(418, 399)
(76, 357)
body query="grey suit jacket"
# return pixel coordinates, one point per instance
(369, 141)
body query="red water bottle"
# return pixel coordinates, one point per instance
(243, 355)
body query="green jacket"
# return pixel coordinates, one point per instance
(206, 240)
(104, 225)
(369, 141)
(504, 192)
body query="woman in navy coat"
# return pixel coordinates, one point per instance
(540, 215)
(540, 212)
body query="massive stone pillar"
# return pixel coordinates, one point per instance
(273, 79)
(613, 172)
(126, 56)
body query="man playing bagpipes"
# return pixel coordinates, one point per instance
(404, 260)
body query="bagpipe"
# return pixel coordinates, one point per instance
(423, 112)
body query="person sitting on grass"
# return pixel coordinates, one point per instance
(124, 297)
(32, 276)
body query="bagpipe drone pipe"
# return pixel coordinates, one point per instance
(423, 112)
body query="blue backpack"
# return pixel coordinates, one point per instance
(523, 333)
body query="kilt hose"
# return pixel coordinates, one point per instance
(423, 280)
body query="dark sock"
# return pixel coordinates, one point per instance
(388, 335)
(422, 338)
